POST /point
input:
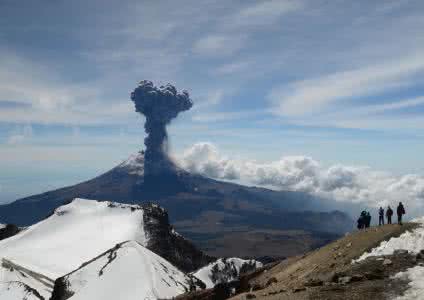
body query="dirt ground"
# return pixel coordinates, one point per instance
(328, 272)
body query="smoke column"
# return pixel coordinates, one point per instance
(159, 106)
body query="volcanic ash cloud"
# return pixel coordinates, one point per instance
(159, 105)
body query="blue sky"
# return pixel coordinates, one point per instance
(339, 81)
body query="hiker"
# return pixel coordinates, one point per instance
(389, 214)
(380, 216)
(400, 212)
(362, 220)
(368, 219)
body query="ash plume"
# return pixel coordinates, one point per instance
(159, 105)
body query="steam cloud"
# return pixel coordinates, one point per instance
(159, 106)
(349, 184)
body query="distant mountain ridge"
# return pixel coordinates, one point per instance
(205, 210)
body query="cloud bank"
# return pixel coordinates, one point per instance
(361, 185)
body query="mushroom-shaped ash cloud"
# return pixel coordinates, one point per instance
(159, 105)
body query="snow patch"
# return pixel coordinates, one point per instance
(416, 285)
(413, 241)
(223, 270)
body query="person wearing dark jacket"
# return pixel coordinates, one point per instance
(368, 219)
(362, 220)
(380, 216)
(389, 214)
(400, 212)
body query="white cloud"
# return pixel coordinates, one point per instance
(39, 96)
(316, 95)
(24, 81)
(265, 12)
(380, 108)
(224, 116)
(211, 98)
(232, 31)
(204, 158)
(20, 135)
(15, 139)
(219, 45)
(371, 116)
(354, 184)
(231, 68)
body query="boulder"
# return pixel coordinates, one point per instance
(345, 279)
(357, 277)
(374, 275)
(400, 252)
(387, 262)
(299, 289)
(314, 282)
(270, 281)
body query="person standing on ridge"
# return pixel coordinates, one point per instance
(362, 221)
(400, 212)
(368, 219)
(389, 214)
(380, 216)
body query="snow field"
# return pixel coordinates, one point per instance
(75, 233)
(134, 270)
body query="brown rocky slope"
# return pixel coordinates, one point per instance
(328, 272)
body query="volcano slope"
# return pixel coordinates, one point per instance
(345, 270)
(223, 219)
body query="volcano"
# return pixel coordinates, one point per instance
(222, 218)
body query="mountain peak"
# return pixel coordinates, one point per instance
(134, 165)
(116, 274)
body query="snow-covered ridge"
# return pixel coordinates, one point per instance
(75, 233)
(89, 249)
(17, 282)
(127, 271)
(224, 270)
(98, 247)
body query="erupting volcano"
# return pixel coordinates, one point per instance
(224, 218)
(159, 106)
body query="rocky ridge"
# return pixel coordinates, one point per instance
(330, 272)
